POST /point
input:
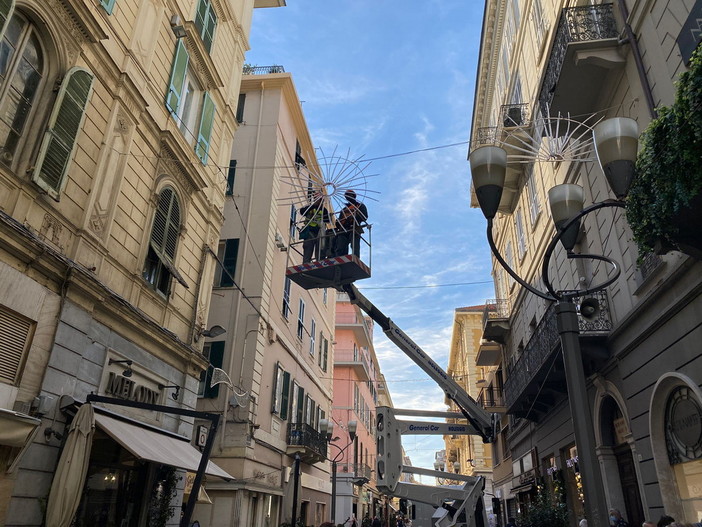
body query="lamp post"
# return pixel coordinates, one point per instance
(616, 143)
(326, 427)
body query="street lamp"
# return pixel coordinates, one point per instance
(616, 143)
(326, 427)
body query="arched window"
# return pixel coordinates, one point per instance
(159, 266)
(22, 68)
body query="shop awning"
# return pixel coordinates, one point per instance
(16, 428)
(150, 445)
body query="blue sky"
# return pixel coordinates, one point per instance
(380, 78)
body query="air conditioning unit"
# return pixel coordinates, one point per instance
(279, 242)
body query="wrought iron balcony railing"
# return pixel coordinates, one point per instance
(577, 24)
(484, 136)
(303, 435)
(490, 397)
(262, 70)
(515, 115)
(543, 343)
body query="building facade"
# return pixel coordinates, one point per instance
(358, 389)
(277, 349)
(548, 70)
(467, 454)
(118, 116)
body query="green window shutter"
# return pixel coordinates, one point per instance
(178, 71)
(216, 361)
(204, 134)
(231, 174)
(7, 7)
(60, 138)
(109, 5)
(300, 405)
(206, 22)
(284, 400)
(231, 249)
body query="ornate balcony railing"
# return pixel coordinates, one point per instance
(301, 434)
(577, 24)
(484, 136)
(545, 340)
(495, 309)
(490, 398)
(262, 70)
(514, 115)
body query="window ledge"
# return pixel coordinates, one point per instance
(203, 62)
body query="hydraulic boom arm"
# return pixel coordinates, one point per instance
(483, 422)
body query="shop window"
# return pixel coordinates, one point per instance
(227, 252)
(206, 22)
(159, 267)
(189, 104)
(214, 351)
(15, 336)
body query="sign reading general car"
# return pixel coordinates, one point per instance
(124, 388)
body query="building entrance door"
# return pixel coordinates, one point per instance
(630, 485)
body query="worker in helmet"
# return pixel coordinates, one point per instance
(314, 214)
(349, 225)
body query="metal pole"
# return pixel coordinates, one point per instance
(589, 465)
(333, 496)
(296, 482)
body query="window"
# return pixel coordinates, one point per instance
(231, 173)
(159, 266)
(298, 413)
(293, 222)
(509, 258)
(59, 140)
(521, 235)
(214, 351)
(240, 108)
(226, 253)
(109, 5)
(21, 72)
(286, 298)
(15, 337)
(301, 320)
(534, 207)
(190, 106)
(323, 352)
(540, 26)
(206, 22)
(309, 410)
(281, 392)
(313, 333)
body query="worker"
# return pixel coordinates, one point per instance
(349, 225)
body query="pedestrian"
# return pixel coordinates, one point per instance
(616, 520)
(349, 225)
(353, 523)
(376, 521)
(665, 521)
(315, 215)
(400, 523)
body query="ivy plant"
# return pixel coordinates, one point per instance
(669, 164)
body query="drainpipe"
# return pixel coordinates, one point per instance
(631, 39)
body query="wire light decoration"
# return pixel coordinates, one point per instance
(551, 139)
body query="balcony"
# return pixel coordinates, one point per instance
(585, 53)
(489, 354)
(354, 359)
(496, 320)
(304, 440)
(536, 381)
(492, 400)
(357, 324)
(262, 70)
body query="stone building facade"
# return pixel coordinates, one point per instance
(544, 62)
(116, 133)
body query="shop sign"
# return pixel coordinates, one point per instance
(620, 430)
(125, 388)
(572, 462)
(683, 425)
(527, 477)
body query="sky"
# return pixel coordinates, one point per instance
(378, 79)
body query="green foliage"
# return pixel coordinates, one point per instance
(669, 164)
(545, 511)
